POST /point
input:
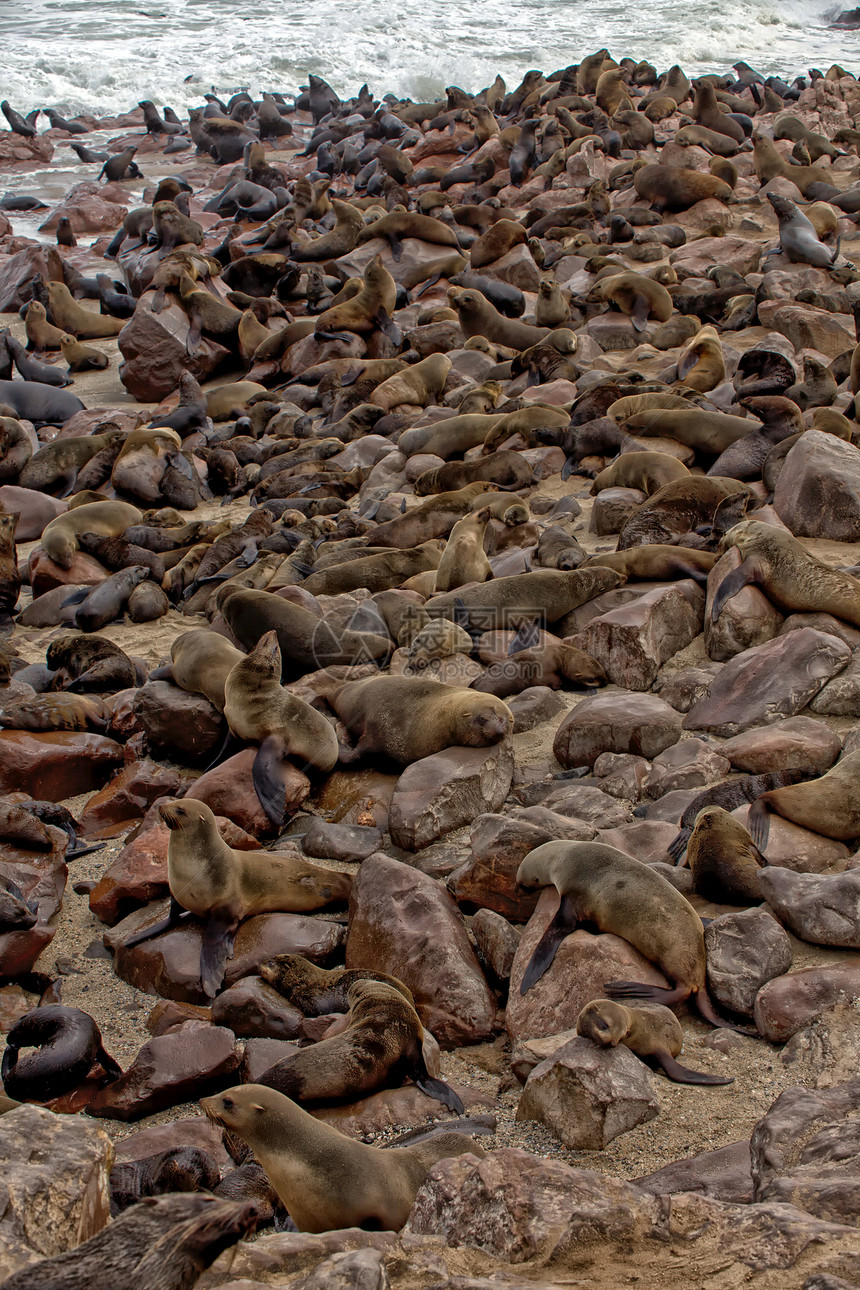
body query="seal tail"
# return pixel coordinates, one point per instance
(564, 922)
(681, 1075)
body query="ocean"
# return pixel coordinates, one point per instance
(104, 55)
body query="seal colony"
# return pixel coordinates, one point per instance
(450, 597)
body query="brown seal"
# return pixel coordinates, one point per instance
(701, 365)
(65, 711)
(507, 469)
(55, 467)
(258, 709)
(672, 188)
(68, 1044)
(379, 1047)
(547, 661)
(60, 538)
(89, 662)
(646, 471)
(41, 334)
(223, 886)
(789, 575)
(163, 1242)
(201, 661)
(478, 317)
(325, 1180)
(369, 311)
(710, 432)
(769, 164)
(376, 572)
(634, 294)
(543, 594)
(433, 518)
(188, 1169)
(10, 578)
(406, 718)
(723, 859)
(680, 507)
(829, 805)
(656, 562)
(317, 991)
(651, 1033)
(72, 317)
(464, 558)
(82, 358)
(598, 884)
(414, 386)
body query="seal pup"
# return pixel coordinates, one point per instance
(600, 884)
(223, 886)
(259, 710)
(723, 859)
(317, 991)
(464, 558)
(325, 1180)
(651, 1033)
(68, 1044)
(381, 1044)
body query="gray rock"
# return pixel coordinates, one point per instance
(786, 745)
(744, 951)
(818, 491)
(823, 909)
(631, 643)
(446, 791)
(621, 722)
(723, 1174)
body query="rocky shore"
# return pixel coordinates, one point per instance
(536, 408)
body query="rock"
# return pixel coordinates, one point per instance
(516, 267)
(631, 643)
(130, 794)
(689, 763)
(585, 802)
(786, 745)
(447, 790)
(252, 1008)
(808, 327)
(744, 951)
(400, 1108)
(229, 790)
(154, 347)
(645, 840)
(497, 943)
(588, 1095)
(580, 969)
(55, 1189)
(821, 909)
(791, 847)
(825, 1052)
(45, 574)
(768, 682)
(788, 1003)
(184, 725)
(534, 706)
(817, 493)
(499, 845)
(735, 252)
(87, 213)
(187, 1064)
(520, 1207)
(723, 1174)
(403, 923)
(612, 508)
(841, 696)
(261, 1054)
(622, 723)
(17, 273)
(746, 619)
(57, 765)
(681, 689)
(14, 1004)
(823, 623)
(622, 775)
(169, 965)
(196, 1131)
(327, 841)
(41, 877)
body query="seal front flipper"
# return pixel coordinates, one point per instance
(442, 1092)
(217, 948)
(639, 312)
(268, 776)
(568, 468)
(175, 915)
(678, 846)
(564, 922)
(192, 341)
(758, 824)
(388, 326)
(681, 1075)
(396, 244)
(743, 576)
(527, 637)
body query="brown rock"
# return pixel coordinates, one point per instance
(808, 327)
(446, 791)
(818, 908)
(496, 941)
(86, 213)
(534, 706)
(326, 841)
(42, 878)
(818, 490)
(400, 1108)
(791, 847)
(154, 347)
(45, 574)
(622, 723)
(17, 273)
(841, 696)
(681, 689)
(588, 1095)
(229, 790)
(252, 1008)
(631, 643)
(745, 620)
(736, 252)
(184, 725)
(196, 1131)
(130, 794)
(787, 745)
(585, 802)
(744, 951)
(403, 923)
(357, 797)
(645, 840)
(690, 763)
(57, 765)
(612, 507)
(182, 1066)
(768, 682)
(789, 1002)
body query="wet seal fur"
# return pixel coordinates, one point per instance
(69, 1044)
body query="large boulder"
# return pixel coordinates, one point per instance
(818, 490)
(631, 643)
(154, 347)
(443, 792)
(618, 722)
(744, 951)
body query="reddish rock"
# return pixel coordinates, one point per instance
(768, 682)
(808, 327)
(585, 802)
(612, 508)
(746, 619)
(446, 791)
(623, 723)
(42, 878)
(195, 1131)
(496, 941)
(45, 574)
(690, 763)
(582, 966)
(818, 908)
(18, 271)
(186, 726)
(534, 706)
(252, 1008)
(791, 847)
(154, 347)
(788, 1003)
(787, 745)
(736, 252)
(130, 794)
(631, 643)
(58, 765)
(229, 790)
(185, 1065)
(86, 214)
(681, 689)
(744, 951)
(400, 1108)
(260, 1055)
(406, 924)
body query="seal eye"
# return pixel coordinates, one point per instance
(228, 1103)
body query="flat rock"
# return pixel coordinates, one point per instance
(185, 726)
(744, 951)
(788, 1003)
(786, 745)
(587, 1095)
(195, 1131)
(327, 841)
(612, 508)
(58, 765)
(623, 723)
(446, 791)
(406, 924)
(768, 682)
(818, 908)
(723, 1174)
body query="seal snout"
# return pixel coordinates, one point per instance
(172, 814)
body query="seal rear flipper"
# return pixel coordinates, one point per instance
(175, 915)
(639, 313)
(564, 922)
(217, 948)
(568, 468)
(650, 993)
(442, 1092)
(109, 1064)
(758, 825)
(678, 846)
(733, 582)
(334, 335)
(709, 1012)
(681, 1075)
(396, 244)
(164, 673)
(268, 776)
(75, 852)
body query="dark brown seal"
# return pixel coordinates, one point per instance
(69, 1044)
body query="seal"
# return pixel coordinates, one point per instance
(506, 469)
(222, 886)
(646, 471)
(201, 661)
(110, 519)
(259, 710)
(75, 319)
(41, 334)
(464, 558)
(829, 805)
(69, 1044)
(653, 1034)
(404, 718)
(317, 991)
(163, 1241)
(798, 238)
(376, 572)
(543, 594)
(370, 310)
(730, 794)
(701, 365)
(433, 518)
(723, 859)
(10, 578)
(549, 661)
(55, 467)
(710, 432)
(380, 1046)
(634, 294)
(42, 404)
(106, 602)
(185, 1169)
(673, 188)
(478, 317)
(15, 451)
(82, 358)
(89, 663)
(598, 884)
(789, 575)
(656, 562)
(681, 507)
(325, 1180)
